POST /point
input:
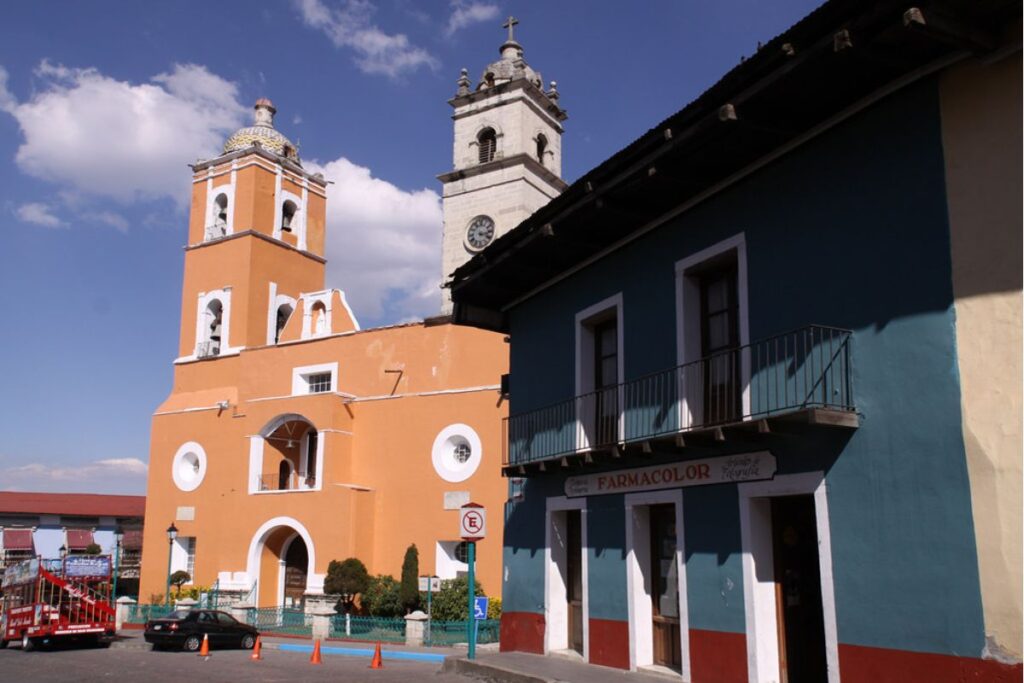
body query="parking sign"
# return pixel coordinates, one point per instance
(480, 607)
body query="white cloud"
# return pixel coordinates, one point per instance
(114, 220)
(108, 138)
(38, 214)
(468, 13)
(383, 244)
(349, 25)
(111, 475)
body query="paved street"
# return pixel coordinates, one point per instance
(226, 665)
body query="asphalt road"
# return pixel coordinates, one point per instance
(144, 666)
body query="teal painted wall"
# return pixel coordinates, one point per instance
(851, 231)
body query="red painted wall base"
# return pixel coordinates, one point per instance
(522, 632)
(859, 664)
(718, 657)
(609, 643)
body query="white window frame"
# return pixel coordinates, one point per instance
(556, 611)
(228, 190)
(204, 300)
(585, 365)
(688, 332)
(638, 566)
(308, 301)
(276, 301)
(184, 548)
(759, 575)
(301, 375)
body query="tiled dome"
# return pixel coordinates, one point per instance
(262, 132)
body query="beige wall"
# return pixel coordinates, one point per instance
(981, 129)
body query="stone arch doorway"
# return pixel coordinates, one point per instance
(278, 544)
(293, 574)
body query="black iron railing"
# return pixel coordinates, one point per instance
(293, 481)
(803, 369)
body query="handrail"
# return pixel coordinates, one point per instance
(804, 368)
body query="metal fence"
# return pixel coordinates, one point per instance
(140, 614)
(448, 633)
(798, 370)
(293, 622)
(387, 629)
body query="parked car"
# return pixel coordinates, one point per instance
(185, 629)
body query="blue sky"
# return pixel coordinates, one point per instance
(102, 105)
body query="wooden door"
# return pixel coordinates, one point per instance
(574, 579)
(665, 587)
(295, 566)
(801, 625)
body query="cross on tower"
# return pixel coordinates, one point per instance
(510, 24)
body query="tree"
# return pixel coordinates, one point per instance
(348, 579)
(451, 603)
(93, 549)
(179, 579)
(410, 590)
(382, 597)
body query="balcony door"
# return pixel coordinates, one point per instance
(719, 328)
(606, 391)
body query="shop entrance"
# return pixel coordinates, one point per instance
(296, 563)
(665, 587)
(798, 608)
(574, 579)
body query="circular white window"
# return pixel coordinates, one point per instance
(456, 453)
(189, 466)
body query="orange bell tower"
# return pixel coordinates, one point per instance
(255, 242)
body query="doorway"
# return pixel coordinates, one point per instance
(574, 580)
(664, 587)
(296, 563)
(788, 592)
(798, 610)
(565, 577)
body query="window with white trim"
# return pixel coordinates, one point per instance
(319, 382)
(315, 379)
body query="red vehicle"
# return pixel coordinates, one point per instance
(50, 601)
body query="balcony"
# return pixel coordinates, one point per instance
(803, 375)
(208, 349)
(295, 481)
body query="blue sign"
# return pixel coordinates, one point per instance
(480, 607)
(87, 566)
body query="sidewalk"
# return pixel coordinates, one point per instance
(519, 667)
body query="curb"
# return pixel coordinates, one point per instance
(489, 672)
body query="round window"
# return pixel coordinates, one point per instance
(189, 466)
(456, 453)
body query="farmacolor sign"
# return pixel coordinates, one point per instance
(723, 470)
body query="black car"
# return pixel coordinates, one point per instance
(185, 629)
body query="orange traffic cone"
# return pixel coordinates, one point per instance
(377, 663)
(204, 651)
(316, 658)
(257, 653)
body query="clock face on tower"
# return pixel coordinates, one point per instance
(480, 233)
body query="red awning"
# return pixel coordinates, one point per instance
(132, 539)
(79, 539)
(18, 539)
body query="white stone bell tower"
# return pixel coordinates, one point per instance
(507, 156)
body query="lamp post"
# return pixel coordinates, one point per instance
(118, 537)
(172, 533)
(63, 553)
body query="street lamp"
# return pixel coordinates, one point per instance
(172, 533)
(118, 537)
(63, 553)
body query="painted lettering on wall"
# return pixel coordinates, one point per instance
(730, 468)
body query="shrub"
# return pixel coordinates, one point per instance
(382, 597)
(451, 603)
(348, 579)
(409, 590)
(93, 549)
(179, 579)
(494, 608)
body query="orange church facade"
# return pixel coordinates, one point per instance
(291, 437)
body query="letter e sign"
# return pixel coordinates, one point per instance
(472, 522)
